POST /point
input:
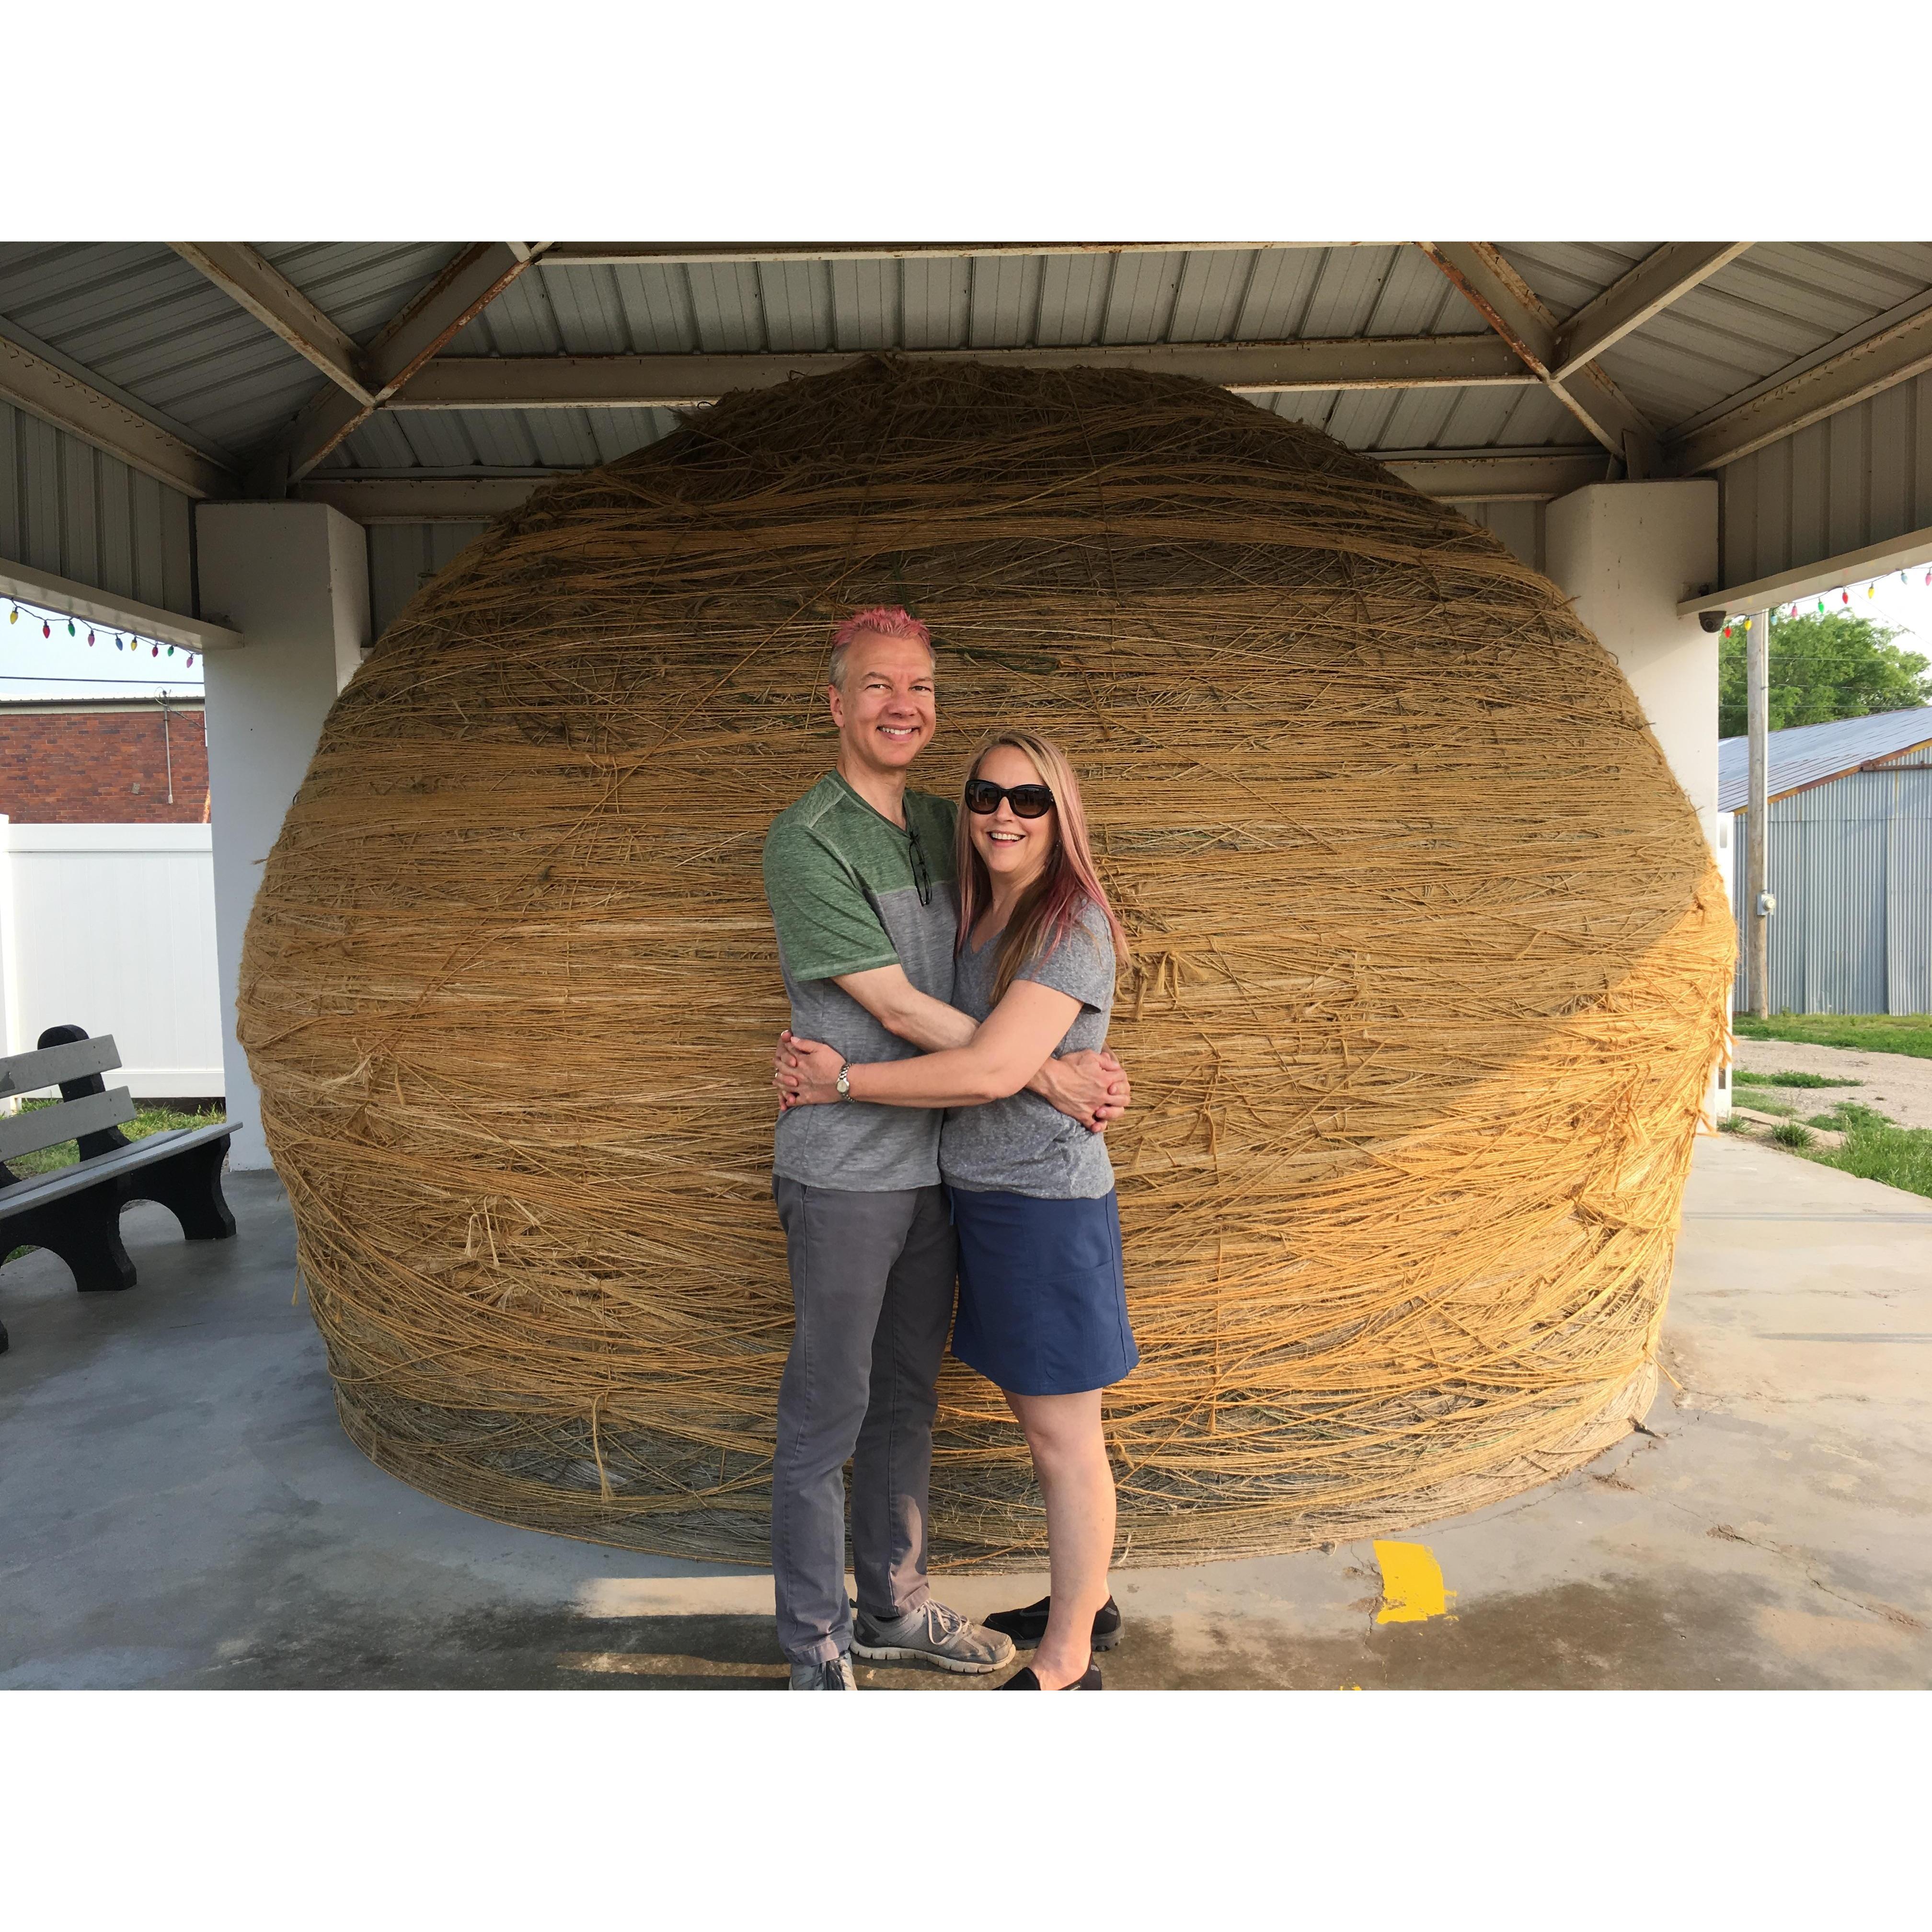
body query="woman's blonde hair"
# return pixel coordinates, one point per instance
(1050, 908)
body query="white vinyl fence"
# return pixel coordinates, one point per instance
(112, 928)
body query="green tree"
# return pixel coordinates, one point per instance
(1835, 665)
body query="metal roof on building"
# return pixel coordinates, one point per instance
(1810, 754)
(143, 320)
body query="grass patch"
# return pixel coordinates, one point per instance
(1762, 1103)
(64, 1153)
(1869, 1032)
(1792, 1134)
(147, 1120)
(1877, 1150)
(1739, 1077)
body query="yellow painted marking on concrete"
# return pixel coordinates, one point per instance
(1412, 1588)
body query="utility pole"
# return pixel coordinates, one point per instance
(1757, 810)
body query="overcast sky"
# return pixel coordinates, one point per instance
(32, 666)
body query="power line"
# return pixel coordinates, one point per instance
(141, 683)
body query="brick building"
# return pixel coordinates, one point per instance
(103, 761)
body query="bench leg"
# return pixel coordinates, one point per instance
(189, 1186)
(84, 1231)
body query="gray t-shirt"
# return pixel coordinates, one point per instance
(1022, 1144)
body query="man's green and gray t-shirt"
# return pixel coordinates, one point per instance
(849, 891)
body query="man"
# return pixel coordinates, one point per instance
(860, 876)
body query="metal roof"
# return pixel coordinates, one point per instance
(147, 329)
(1809, 754)
(137, 315)
(1778, 303)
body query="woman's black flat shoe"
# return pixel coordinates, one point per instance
(1025, 1680)
(1026, 1627)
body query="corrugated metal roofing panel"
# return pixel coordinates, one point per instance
(69, 509)
(1566, 274)
(139, 315)
(1854, 479)
(403, 557)
(1807, 754)
(1776, 303)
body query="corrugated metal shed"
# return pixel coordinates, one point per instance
(1850, 863)
(1808, 755)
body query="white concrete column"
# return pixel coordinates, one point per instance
(1628, 553)
(294, 579)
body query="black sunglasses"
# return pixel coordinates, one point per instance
(1028, 801)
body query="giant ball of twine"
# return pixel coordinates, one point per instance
(1430, 973)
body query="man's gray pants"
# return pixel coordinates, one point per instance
(872, 1280)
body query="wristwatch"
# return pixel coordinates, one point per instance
(844, 1084)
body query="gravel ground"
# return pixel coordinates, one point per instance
(1896, 1084)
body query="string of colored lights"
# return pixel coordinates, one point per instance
(124, 639)
(1844, 597)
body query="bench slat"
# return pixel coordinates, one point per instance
(39, 1188)
(48, 1066)
(28, 1131)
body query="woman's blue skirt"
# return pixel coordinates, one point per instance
(1043, 1292)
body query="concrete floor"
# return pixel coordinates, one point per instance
(178, 1507)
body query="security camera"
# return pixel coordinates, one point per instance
(1713, 620)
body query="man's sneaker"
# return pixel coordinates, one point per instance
(1026, 1627)
(836, 1675)
(932, 1634)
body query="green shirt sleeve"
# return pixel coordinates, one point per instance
(827, 925)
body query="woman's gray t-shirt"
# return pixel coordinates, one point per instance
(1022, 1144)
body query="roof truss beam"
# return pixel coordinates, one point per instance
(1659, 279)
(670, 254)
(1892, 355)
(1509, 305)
(65, 400)
(423, 327)
(249, 278)
(673, 382)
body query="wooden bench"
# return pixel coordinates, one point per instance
(76, 1211)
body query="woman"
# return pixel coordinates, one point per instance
(1043, 1304)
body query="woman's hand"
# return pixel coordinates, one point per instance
(804, 1072)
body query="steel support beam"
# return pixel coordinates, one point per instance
(1893, 355)
(250, 279)
(1662, 276)
(1513, 309)
(475, 279)
(670, 382)
(1496, 475)
(670, 254)
(64, 400)
(92, 605)
(1909, 550)
(423, 499)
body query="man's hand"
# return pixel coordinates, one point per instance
(1092, 1088)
